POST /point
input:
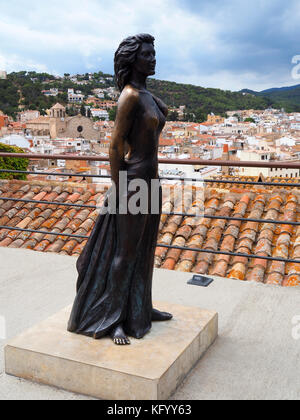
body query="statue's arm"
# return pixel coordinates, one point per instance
(126, 113)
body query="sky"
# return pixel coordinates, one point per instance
(227, 44)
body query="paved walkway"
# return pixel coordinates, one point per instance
(255, 356)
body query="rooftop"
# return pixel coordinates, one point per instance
(207, 235)
(255, 356)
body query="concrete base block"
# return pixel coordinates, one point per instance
(149, 369)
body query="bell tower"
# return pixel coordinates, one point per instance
(57, 120)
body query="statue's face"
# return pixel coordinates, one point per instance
(145, 62)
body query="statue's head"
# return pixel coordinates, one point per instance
(134, 53)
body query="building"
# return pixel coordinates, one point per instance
(100, 113)
(75, 97)
(264, 156)
(3, 75)
(3, 121)
(215, 119)
(25, 116)
(50, 92)
(58, 125)
(39, 126)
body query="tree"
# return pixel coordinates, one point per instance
(173, 116)
(112, 114)
(18, 164)
(238, 117)
(82, 110)
(251, 120)
(72, 111)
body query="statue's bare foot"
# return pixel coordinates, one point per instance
(119, 337)
(158, 316)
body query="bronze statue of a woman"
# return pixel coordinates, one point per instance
(114, 288)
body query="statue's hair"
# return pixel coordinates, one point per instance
(125, 56)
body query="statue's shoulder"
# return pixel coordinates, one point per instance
(129, 96)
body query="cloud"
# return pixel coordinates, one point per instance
(232, 44)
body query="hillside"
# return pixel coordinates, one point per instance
(24, 89)
(202, 101)
(285, 97)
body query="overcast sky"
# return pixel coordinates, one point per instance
(229, 44)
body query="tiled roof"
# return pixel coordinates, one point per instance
(277, 180)
(45, 217)
(261, 239)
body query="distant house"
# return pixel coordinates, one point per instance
(50, 92)
(29, 115)
(100, 113)
(3, 121)
(75, 97)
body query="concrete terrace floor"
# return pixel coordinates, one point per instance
(255, 356)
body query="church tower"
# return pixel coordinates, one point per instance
(57, 121)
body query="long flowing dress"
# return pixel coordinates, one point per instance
(103, 299)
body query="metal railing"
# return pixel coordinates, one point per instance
(285, 165)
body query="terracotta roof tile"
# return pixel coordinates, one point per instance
(69, 246)
(16, 244)
(79, 248)
(6, 242)
(169, 264)
(292, 281)
(257, 274)
(41, 246)
(191, 232)
(238, 272)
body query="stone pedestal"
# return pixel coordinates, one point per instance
(149, 369)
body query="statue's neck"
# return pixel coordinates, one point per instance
(138, 80)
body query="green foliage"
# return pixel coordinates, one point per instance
(18, 164)
(82, 110)
(112, 114)
(288, 99)
(173, 116)
(25, 88)
(251, 120)
(201, 101)
(72, 111)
